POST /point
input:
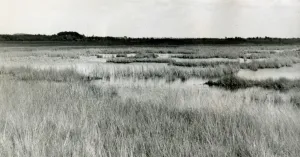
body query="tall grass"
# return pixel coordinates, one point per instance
(234, 82)
(31, 74)
(229, 55)
(203, 63)
(138, 60)
(253, 65)
(121, 55)
(216, 54)
(107, 72)
(146, 55)
(270, 63)
(50, 119)
(256, 55)
(152, 71)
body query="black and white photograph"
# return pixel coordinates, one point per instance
(149, 78)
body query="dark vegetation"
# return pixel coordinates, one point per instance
(139, 57)
(99, 56)
(153, 51)
(78, 39)
(121, 55)
(295, 99)
(146, 55)
(234, 83)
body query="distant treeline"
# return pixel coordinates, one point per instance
(79, 39)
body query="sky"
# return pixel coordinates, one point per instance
(153, 18)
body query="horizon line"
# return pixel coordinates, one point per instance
(166, 37)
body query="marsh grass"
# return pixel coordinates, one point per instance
(121, 55)
(32, 74)
(203, 63)
(270, 63)
(234, 83)
(146, 55)
(253, 65)
(165, 71)
(257, 54)
(99, 56)
(138, 60)
(74, 119)
(108, 72)
(295, 99)
(216, 54)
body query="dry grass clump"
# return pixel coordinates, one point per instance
(73, 119)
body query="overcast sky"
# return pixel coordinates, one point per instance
(153, 18)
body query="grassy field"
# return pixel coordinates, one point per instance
(74, 119)
(66, 112)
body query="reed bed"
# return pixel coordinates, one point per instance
(121, 55)
(107, 72)
(234, 83)
(216, 54)
(31, 74)
(270, 63)
(73, 119)
(138, 60)
(163, 71)
(203, 63)
(256, 55)
(146, 55)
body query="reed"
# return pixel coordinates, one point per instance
(234, 83)
(203, 63)
(138, 60)
(204, 55)
(103, 71)
(74, 119)
(270, 63)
